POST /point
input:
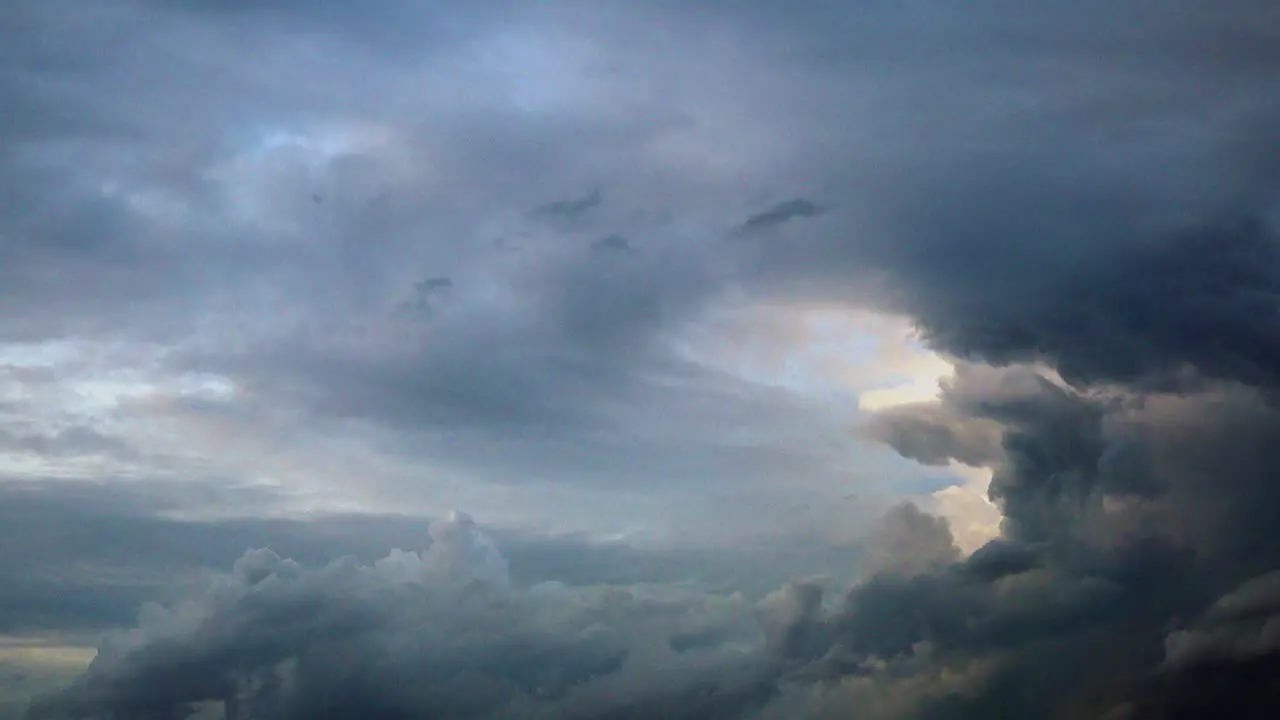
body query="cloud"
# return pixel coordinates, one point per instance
(908, 541)
(923, 433)
(1079, 216)
(1239, 625)
(1107, 494)
(279, 640)
(781, 213)
(93, 551)
(569, 209)
(275, 638)
(68, 442)
(1198, 297)
(425, 292)
(613, 243)
(1070, 614)
(1223, 662)
(31, 666)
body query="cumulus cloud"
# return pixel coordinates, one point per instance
(1125, 509)
(447, 631)
(436, 633)
(1068, 612)
(908, 541)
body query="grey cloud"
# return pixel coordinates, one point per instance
(1122, 515)
(1082, 227)
(1240, 625)
(1000, 558)
(959, 644)
(1202, 298)
(282, 639)
(909, 541)
(101, 204)
(587, 342)
(1242, 689)
(931, 436)
(379, 22)
(277, 639)
(1224, 663)
(782, 213)
(82, 556)
(1091, 186)
(435, 283)
(569, 209)
(572, 332)
(794, 622)
(425, 293)
(1044, 441)
(1038, 629)
(68, 442)
(320, 643)
(613, 243)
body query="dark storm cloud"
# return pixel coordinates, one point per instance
(1203, 297)
(1090, 186)
(1126, 512)
(1242, 624)
(1224, 665)
(1074, 623)
(1078, 205)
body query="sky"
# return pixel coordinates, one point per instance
(611, 359)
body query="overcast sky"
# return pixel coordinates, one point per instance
(961, 319)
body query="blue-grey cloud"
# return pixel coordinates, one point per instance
(781, 213)
(1089, 188)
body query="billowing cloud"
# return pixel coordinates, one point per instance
(440, 632)
(1125, 511)
(1239, 625)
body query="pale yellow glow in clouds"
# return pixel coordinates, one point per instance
(839, 352)
(974, 519)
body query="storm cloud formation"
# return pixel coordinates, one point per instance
(436, 634)
(1077, 206)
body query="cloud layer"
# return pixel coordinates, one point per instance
(436, 634)
(594, 263)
